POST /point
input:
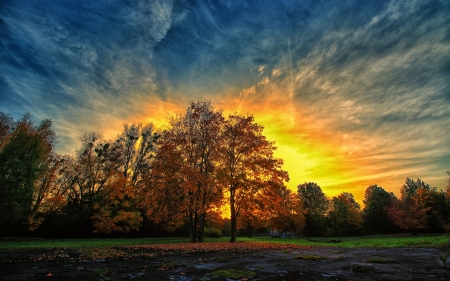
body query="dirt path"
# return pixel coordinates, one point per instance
(284, 263)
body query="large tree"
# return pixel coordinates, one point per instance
(249, 167)
(24, 150)
(186, 167)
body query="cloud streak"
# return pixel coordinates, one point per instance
(353, 92)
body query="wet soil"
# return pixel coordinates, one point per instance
(143, 263)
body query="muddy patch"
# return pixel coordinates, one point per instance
(144, 263)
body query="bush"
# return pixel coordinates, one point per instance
(213, 232)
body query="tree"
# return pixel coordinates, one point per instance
(290, 216)
(345, 215)
(115, 211)
(137, 144)
(98, 195)
(315, 205)
(376, 202)
(407, 215)
(248, 165)
(24, 149)
(186, 166)
(412, 211)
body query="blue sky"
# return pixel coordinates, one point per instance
(353, 92)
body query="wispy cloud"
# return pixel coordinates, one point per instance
(354, 92)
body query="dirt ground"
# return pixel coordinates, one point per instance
(189, 263)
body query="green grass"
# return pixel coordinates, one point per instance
(77, 243)
(234, 273)
(391, 241)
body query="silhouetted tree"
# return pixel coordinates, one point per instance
(345, 215)
(376, 219)
(315, 205)
(24, 150)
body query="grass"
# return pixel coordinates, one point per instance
(234, 273)
(373, 241)
(309, 257)
(80, 243)
(390, 241)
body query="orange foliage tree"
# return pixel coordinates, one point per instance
(185, 168)
(115, 212)
(290, 214)
(248, 165)
(411, 211)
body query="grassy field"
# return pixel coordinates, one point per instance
(439, 240)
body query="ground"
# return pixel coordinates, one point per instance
(226, 261)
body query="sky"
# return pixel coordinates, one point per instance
(354, 93)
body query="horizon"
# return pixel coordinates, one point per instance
(353, 93)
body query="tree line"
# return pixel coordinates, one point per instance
(178, 182)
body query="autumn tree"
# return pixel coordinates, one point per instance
(48, 195)
(137, 146)
(376, 202)
(345, 215)
(411, 212)
(290, 215)
(98, 195)
(186, 167)
(248, 165)
(24, 150)
(315, 205)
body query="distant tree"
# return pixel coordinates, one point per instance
(345, 215)
(407, 215)
(290, 216)
(249, 168)
(412, 211)
(315, 205)
(376, 202)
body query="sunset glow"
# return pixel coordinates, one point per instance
(354, 93)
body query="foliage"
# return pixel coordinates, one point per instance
(291, 214)
(24, 150)
(345, 215)
(186, 167)
(249, 170)
(376, 202)
(178, 181)
(213, 232)
(414, 210)
(315, 205)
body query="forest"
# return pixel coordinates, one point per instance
(206, 175)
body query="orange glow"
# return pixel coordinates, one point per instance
(311, 151)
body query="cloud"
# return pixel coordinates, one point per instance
(353, 92)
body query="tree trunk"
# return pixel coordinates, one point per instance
(249, 229)
(233, 218)
(193, 220)
(201, 229)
